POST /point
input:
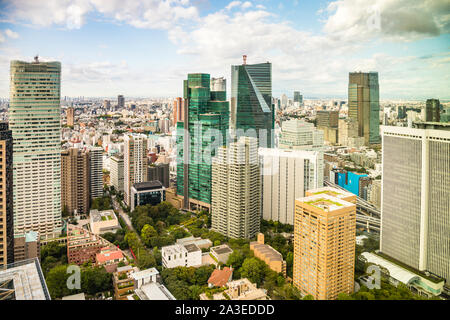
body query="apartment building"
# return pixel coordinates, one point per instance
(324, 244)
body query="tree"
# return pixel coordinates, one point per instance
(94, 280)
(236, 259)
(57, 282)
(308, 297)
(147, 233)
(253, 269)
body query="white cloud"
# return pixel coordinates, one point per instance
(11, 34)
(72, 14)
(391, 19)
(2, 37)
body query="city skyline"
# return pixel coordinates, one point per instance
(103, 49)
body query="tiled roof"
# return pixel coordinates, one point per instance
(220, 277)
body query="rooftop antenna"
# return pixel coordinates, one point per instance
(36, 58)
(244, 57)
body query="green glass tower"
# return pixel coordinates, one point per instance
(35, 121)
(364, 105)
(206, 115)
(252, 112)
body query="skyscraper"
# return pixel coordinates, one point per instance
(432, 110)
(117, 172)
(298, 97)
(6, 196)
(70, 116)
(96, 171)
(415, 202)
(134, 162)
(178, 112)
(298, 134)
(324, 243)
(252, 112)
(34, 115)
(120, 101)
(364, 106)
(206, 121)
(75, 181)
(285, 176)
(236, 189)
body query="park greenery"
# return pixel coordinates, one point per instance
(102, 203)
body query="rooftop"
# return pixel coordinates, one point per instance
(220, 277)
(144, 274)
(23, 280)
(332, 192)
(97, 216)
(222, 249)
(79, 296)
(325, 202)
(192, 247)
(154, 291)
(148, 185)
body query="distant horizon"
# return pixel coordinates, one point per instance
(147, 48)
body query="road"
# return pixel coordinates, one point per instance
(122, 214)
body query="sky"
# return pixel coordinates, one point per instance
(146, 48)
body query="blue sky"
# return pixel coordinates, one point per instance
(146, 48)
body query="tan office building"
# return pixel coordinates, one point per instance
(324, 244)
(75, 181)
(70, 116)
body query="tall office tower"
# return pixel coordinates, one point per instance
(6, 196)
(285, 176)
(34, 118)
(159, 172)
(96, 179)
(252, 112)
(364, 106)
(298, 97)
(178, 112)
(70, 116)
(284, 101)
(106, 104)
(324, 243)
(206, 120)
(135, 162)
(328, 119)
(415, 202)
(120, 101)
(432, 110)
(236, 189)
(348, 133)
(298, 134)
(117, 172)
(75, 181)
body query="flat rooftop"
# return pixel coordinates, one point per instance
(154, 291)
(192, 247)
(340, 194)
(144, 274)
(105, 215)
(148, 185)
(326, 202)
(222, 249)
(23, 280)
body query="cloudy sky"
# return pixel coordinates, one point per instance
(146, 47)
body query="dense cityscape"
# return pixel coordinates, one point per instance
(225, 191)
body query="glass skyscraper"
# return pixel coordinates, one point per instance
(206, 121)
(364, 106)
(252, 112)
(35, 122)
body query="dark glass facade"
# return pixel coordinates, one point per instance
(206, 113)
(252, 111)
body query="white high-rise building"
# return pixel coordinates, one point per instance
(300, 135)
(116, 173)
(285, 176)
(35, 121)
(236, 189)
(96, 163)
(134, 162)
(415, 198)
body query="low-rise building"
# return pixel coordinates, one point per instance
(103, 221)
(178, 255)
(269, 255)
(149, 192)
(82, 245)
(123, 282)
(79, 296)
(110, 257)
(27, 246)
(199, 242)
(220, 277)
(241, 289)
(221, 253)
